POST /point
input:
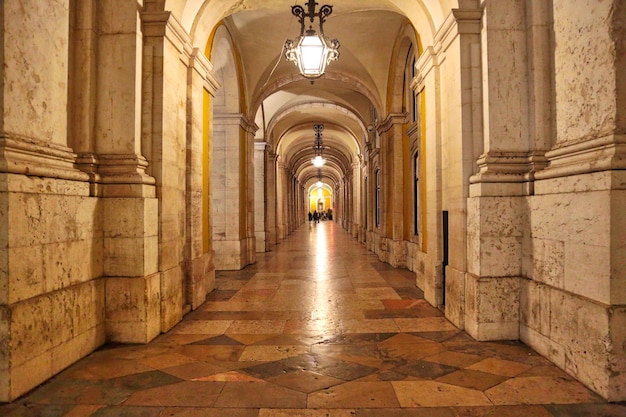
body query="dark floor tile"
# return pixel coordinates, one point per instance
(439, 337)
(340, 369)
(504, 411)
(34, 410)
(121, 411)
(587, 410)
(259, 395)
(210, 412)
(409, 293)
(74, 391)
(221, 340)
(184, 394)
(359, 338)
(144, 380)
(221, 295)
(392, 314)
(271, 369)
(472, 379)
(406, 412)
(425, 370)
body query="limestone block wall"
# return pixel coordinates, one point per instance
(51, 241)
(572, 306)
(51, 291)
(171, 181)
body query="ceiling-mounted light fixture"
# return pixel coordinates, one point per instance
(311, 51)
(318, 147)
(319, 179)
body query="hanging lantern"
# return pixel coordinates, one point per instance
(311, 52)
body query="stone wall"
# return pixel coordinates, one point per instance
(51, 291)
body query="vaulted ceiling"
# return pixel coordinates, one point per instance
(284, 104)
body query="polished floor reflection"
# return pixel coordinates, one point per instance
(318, 327)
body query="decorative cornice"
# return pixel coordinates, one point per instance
(601, 154)
(429, 59)
(392, 119)
(508, 167)
(459, 22)
(21, 155)
(199, 63)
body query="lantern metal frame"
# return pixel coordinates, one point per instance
(311, 52)
(318, 161)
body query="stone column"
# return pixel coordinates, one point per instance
(496, 195)
(231, 208)
(457, 73)
(271, 199)
(260, 195)
(280, 200)
(250, 131)
(427, 84)
(199, 267)
(356, 199)
(393, 154)
(51, 238)
(573, 306)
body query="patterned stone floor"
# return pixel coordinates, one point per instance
(318, 327)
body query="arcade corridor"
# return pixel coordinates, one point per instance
(318, 327)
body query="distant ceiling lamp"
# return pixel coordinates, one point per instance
(311, 52)
(319, 179)
(318, 161)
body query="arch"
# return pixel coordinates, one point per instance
(223, 57)
(407, 43)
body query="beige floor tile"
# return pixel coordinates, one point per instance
(256, 327)
(425, 324)
(306, 413)
(540, 390)
(271, 353)
(370, 326)
(437, 394)
(500, 367)
(456, 359)
(202, 327)
(355, 395)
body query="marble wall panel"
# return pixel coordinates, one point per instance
(35, 69)
(617, 361)
(585, 69)
(570, 244)
(130, 217)
(133, 308)
(581, 328)
(455, 297)
(494, 236)
(535, 307)
(171, 298)
(5, 354)
(618, 247)
(492, 307)
(134, 256)
(548, 262)
(588, 271)
(70, 263)
(507, 123)
(25, 273)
